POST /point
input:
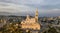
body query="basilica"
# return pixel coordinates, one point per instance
(31, 23)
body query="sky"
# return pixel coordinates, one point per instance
(45, 7)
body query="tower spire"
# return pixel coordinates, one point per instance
(36, 15)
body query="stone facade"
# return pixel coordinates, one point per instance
(31, 23)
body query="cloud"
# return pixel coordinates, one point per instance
(44, 6)
(9, 7)
(38, 2)
(23, 1)
(54, 11)
(50, 12)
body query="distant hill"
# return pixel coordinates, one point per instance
(5, 13)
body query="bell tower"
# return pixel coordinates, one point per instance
(36, 15)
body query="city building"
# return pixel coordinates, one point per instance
(31, 23)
